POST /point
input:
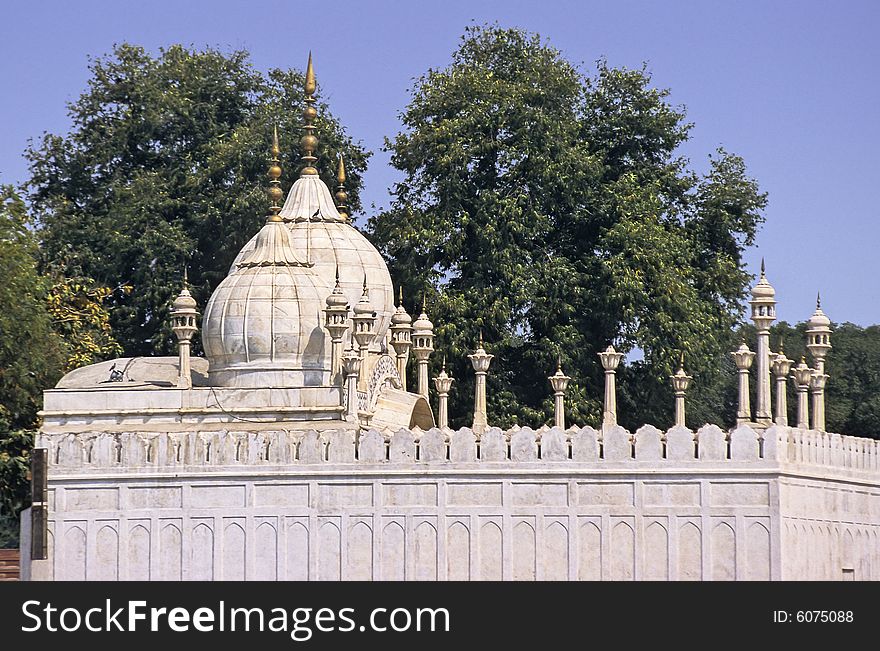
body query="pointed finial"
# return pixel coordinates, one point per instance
(274, 173)
(444, 363)
(309, 141)
(337, 274)
(762, 267)
(681, 361)
(185, 277)
(818, 301)
(481, 337)
(341, 195)
(424, 302)
(559, 363)
(400, 294)
(803, 359)
(365, 284)
(781, 345)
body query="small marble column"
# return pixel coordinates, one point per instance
(559, 383)
(423, 346)
(802, 376)
(401, 338)
(351, 364)
(781, 368)
(336, 322)
(480, 360)
(183, 324)
(817, 391)
(443, 383)
(610, 361)
(680, 383)
(743, 358)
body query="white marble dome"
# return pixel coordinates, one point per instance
(320, 234)
(263, 325)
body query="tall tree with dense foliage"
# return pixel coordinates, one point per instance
(553, 211)
(164, 167)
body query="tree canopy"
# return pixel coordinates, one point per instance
(553, 211)
(164, 167)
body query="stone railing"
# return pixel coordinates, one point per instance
(519, 445)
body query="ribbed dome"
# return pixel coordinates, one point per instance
(263, 326)
(401, 316)
(819, 319)
(763, 289)
(331, 243)
(422, 325)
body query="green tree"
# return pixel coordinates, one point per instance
(164, 167)
(551, 210)
(31, 356)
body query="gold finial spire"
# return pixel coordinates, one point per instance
(341, 195)
(274, 173)
(400, 294)
(444, 363)
(681, 361)
(185, 277)
(818, 301)
(309, 141)
(559, 363)
(762, 268)
(781, 345)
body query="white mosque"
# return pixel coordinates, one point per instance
(294, 450)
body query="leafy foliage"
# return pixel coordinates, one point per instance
(164, 167)
(551, 210)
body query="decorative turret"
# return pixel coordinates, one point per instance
(559, 383)
(781, 368)
(802, 376)
(364, 329)
(610, 361)
(423, 346)
(819, 343)
(480, 360)
(401, 337)
(443, 383)
(743, 358)
(763, 314)
(183, 324)
(341, 195)
(680, 383)
(336, 322)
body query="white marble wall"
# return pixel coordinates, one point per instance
(423, 506)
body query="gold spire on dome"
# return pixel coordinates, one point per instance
(681, 361)
(274, 173)
(309, 141)
(818, 300)
(763, 275)
(341, 195)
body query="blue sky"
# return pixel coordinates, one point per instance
(790, 86)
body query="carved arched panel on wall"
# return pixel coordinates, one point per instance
(234, 552)
(202, 553)
(329, 557)
(74, 566)
(106, 566)
(723, 552)
(359, 565)
(758, 552)
(656, 552)
(426, 552)
(491, 552)
(554, 556)
(458, 552)
(590, 552)
(171, 553)
(297, 551)
(622, 552)
(523, 551)
(266, 552)
(139, 553)
(690, 553)
(393, 558)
